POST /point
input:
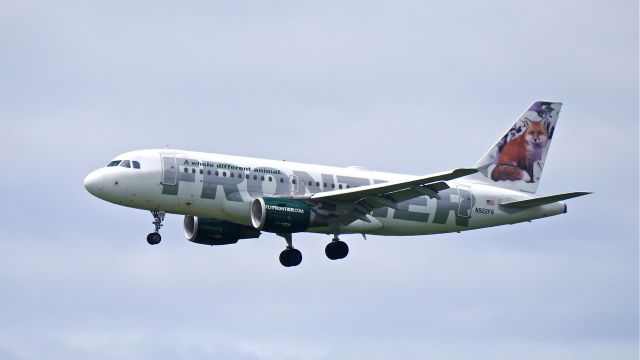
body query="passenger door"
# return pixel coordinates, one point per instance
(169, 169)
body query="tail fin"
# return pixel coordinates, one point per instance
(517, 159)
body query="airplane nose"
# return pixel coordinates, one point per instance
(94, 183)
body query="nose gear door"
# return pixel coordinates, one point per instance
(169, 169)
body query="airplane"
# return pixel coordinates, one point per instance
(227, 198)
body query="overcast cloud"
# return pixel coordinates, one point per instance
(404, 86)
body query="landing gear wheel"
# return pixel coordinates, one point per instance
(290, 257)
(154, 238)
(330, 251)
(336, 250)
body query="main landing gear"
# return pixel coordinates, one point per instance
(290, 256)
(336, 249)
(154, 238)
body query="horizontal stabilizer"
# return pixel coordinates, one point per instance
(543, 200)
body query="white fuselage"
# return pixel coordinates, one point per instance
(223, 187)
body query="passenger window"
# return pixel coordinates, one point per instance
(125, 163)
(217, 173)
(270, 178)
(193, 170)
(136, 165)
(310, 183)
(333, 186)
(281, 180)
(231, 174)
(201, 171)
(324, 185)
(114, 163)
(340, 186)
(255, 177)
(247, 176)
(293, 181)
(224, 174)
(262, 177)
(208, 172)
(186, 170)
(317, 184)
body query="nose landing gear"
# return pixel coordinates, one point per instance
(154, 238)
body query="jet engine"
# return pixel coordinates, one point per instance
(284, 215)
(210, 231)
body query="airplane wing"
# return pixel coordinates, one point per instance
(357, 202)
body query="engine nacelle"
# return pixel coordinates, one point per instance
(209, 231)
(284, 215)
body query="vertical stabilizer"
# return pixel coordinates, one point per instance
(517, 158)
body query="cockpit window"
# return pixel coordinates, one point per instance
(125, 163)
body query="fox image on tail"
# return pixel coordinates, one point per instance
(516, 160)
(522, 153)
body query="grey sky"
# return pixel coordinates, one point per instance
(405, 86)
